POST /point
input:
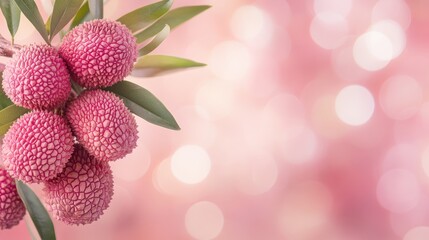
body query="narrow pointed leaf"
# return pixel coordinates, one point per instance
(159, 38)
(64, 11)
(81, 16)
(173, 18)
(30, 10)
(12, 14)
(4, 100)
(8, 115)
(27, 224)
(155, 65)
(142, 17)
(96, 8)
(48, 25)
(144, 104)
(4, 128)
(37, 211)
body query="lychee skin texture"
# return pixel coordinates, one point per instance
(37, 146)
(12, 209)
(103, 125)
(80, 193)
(99, 53)
(37, 78)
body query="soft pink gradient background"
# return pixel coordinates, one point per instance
(269, 147)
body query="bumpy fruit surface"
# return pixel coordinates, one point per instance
(80, 193)
(37, 146)
(37, 78)
(103, 125)
(12, 209)
(99, 53)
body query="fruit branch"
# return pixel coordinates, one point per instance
(7, 49)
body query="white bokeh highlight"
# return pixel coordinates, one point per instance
(252, 25)
(190, 164)
(394, 32)
(354, 105)
(373, 50)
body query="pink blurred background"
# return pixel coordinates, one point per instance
(310, 122)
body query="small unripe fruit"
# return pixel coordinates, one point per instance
(103, 124)
(82, 191)
(12, 209)
(99, 53)
(37, 78)
(37, 146)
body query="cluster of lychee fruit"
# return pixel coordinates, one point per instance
(68, 137)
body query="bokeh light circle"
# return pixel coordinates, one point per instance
(401, 97)
(204, 220)
(396, 10)
(251, 24)
(190, 164)
(329, 30)
(391, 189)
(394, 32)
(354, 105)
(373, 50)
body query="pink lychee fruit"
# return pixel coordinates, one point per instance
(103, 124)
(37, 78)
(99, 53)
(37, 146)
(12, 209)
(82, 191)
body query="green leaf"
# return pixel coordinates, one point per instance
(5, 128)
(48, 25)
(142, 17)
(173, 18)
(12, 14)
(30, 10)
(155, 65)
(4, 100)
(64, 11)
(8, 116)
(144, 104)
(27, 224)
(81, 16)
(159, 38)
(96, 8)
(37, 211)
